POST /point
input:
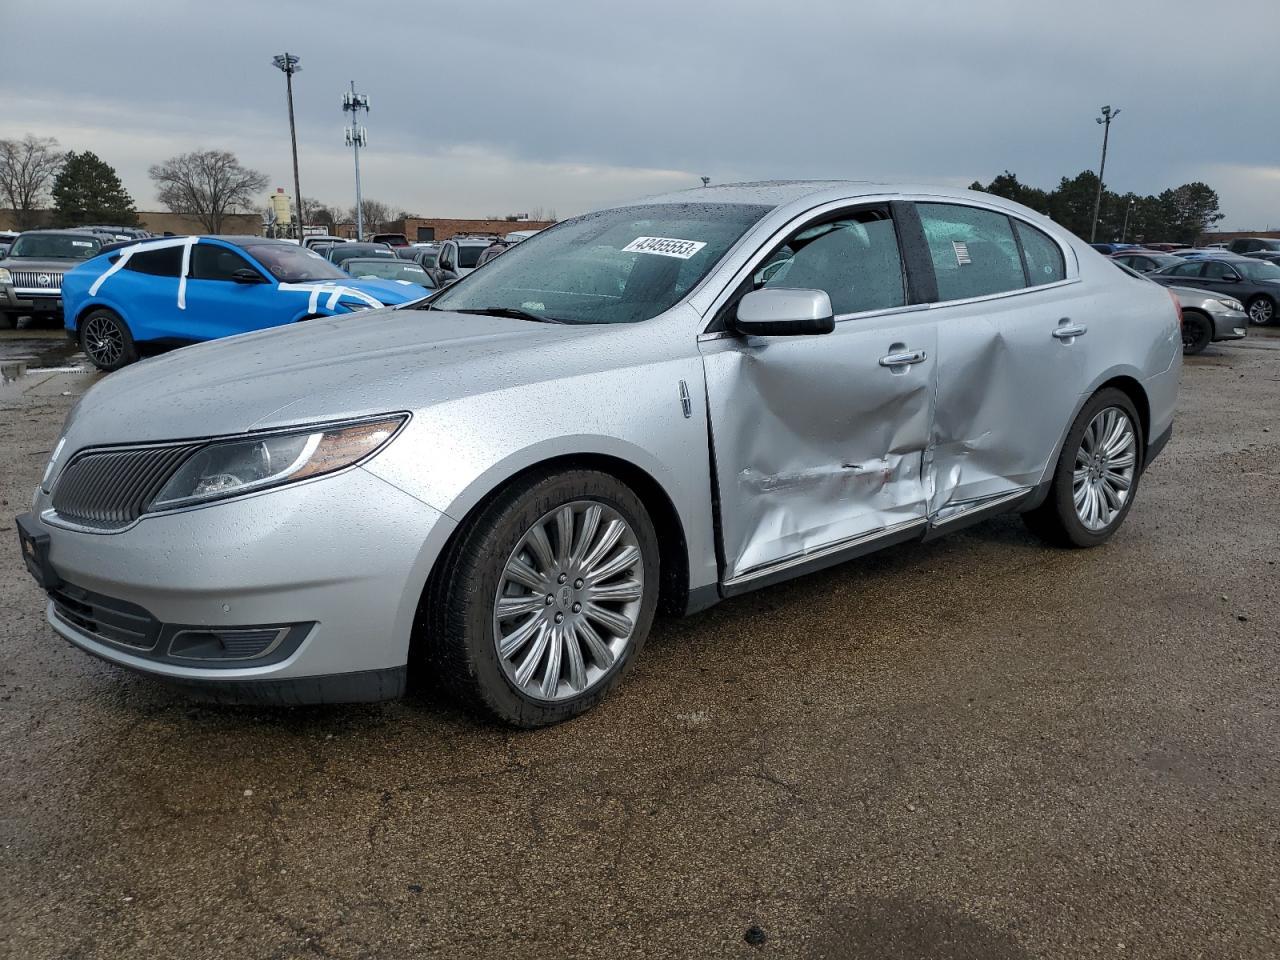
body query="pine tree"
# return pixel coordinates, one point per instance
(88, 190)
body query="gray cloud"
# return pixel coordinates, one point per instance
(479, 108)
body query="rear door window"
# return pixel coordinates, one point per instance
(974, 251)
(166, 262)
(1191, 269)
(1217, 270)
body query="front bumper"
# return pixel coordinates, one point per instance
(1230, 325)
(335, 565)
(28, 302)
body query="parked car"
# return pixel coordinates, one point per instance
(1110, 248)
(1146, 261)
(391, 239)
(515, 236)
(497, 248)
(460, 255)
(1201, 253)
(321, 239)
(1167, 247)
(345, 251)
(1248, 246)
(385, 268)
(31, 273)
(420, 253)
(506, 482)
(1209, 318)
(1255, 283)
(161, 293)
(118, 232)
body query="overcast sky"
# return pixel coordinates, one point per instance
(488, 106)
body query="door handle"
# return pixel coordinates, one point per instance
(1067, 330)
(903, 359)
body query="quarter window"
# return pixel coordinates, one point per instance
(1044, 257)
(212, 262)
(1191, 269)
(974, 252)
(165, 262)
(855, 259)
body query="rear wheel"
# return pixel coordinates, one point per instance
(1096, 476)
(545, 599)
(106, 340)
(1262, 311)
(1197, 332)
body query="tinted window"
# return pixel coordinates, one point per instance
(1217, 270)
(1259, 270)
(289, 262)
(974, 253)
(1187, 269)
(855, 259)
(166, 262)
(1044, 257)
(469, 256)
(211, 262)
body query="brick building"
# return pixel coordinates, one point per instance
(1227, 237)
(437, 228)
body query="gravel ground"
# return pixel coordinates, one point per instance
(976, 748)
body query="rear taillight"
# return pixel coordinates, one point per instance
(1177, 305)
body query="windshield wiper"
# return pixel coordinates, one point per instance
(514, 312)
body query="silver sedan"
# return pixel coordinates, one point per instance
(652, 407)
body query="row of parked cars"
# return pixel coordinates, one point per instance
(1222, 288)
(123, 297)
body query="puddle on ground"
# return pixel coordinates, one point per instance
(21, 356)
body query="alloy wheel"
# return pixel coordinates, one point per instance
(1104, 470)
(568, 600)
(103, 340)
(1261, 311)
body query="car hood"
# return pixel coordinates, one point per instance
(366, 363)
(390, 292)
(52, 264)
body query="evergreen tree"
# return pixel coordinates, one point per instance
(87, 190)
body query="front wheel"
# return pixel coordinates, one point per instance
(1262, 310)
(106, 340)
(1096, 477)
(546, 598)
(1197, 332)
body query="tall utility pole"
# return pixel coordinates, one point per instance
(357, 137)
(291, 65)
(1107, 116)
(1125, 229)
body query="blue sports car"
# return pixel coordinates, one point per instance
(163, 293)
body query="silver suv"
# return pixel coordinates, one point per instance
(31, 272)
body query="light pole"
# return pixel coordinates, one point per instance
(1125, 229)
(291, 65)
(357, 137)
(1107, 116)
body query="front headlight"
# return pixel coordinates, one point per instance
(5, 275)
(229, 468)
(1230, 304)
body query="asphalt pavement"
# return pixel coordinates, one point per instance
(978, 748)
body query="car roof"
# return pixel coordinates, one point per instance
(63, 232)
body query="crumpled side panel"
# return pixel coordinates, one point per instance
(815, 442)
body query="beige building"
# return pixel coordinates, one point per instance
(435, 228)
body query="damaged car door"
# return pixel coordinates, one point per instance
(819, 440)
(1013, 366)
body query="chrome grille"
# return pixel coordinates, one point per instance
(109, 488)
(30, 280)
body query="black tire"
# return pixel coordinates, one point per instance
(1055, 520)
(1197, 332)
(1261, 310)
(459, 646)
(8, 321)
(106, 340)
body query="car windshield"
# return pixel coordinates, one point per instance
(56, 246)
(387, 269)
(290, 263)
(613, 266)
(348, 250)
(1258, 270)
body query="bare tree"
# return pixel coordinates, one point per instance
(27, 168)
(376, 213)
(207, 185)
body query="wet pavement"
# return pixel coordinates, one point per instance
(977, 748)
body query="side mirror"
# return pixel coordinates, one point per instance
(1232, 278)
(245, 275)
(784, 313)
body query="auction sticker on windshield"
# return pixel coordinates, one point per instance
(664, 247)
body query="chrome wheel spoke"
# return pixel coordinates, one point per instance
(540, 546)
(520, 635)
(624, 559)
(615, 623)
(529, 665)
(573, 655)
(600, 651)
(564, 535)
(509, 607)
(606, 542)
(617, 592)
(590, 524)
(551, 676)
(520, 572)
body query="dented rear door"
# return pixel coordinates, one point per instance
(816, 442)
